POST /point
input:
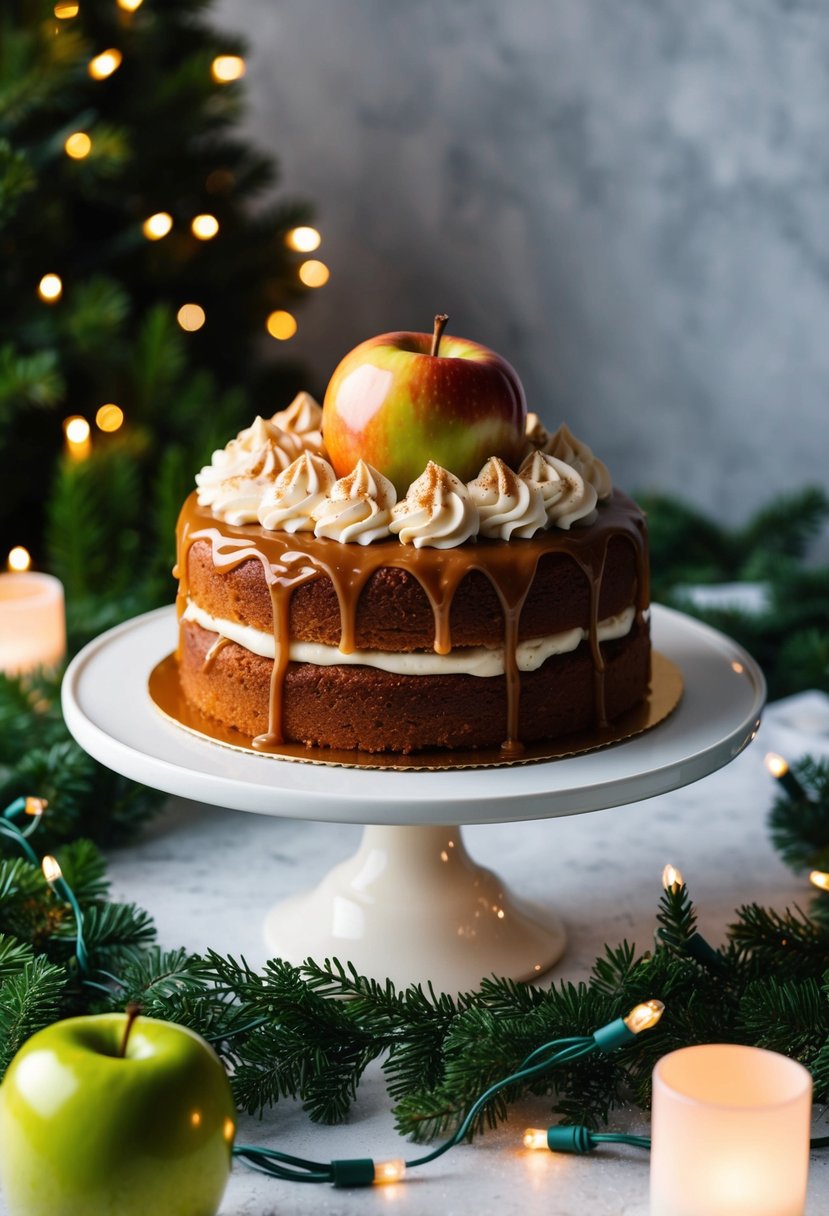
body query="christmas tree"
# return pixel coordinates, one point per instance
(143, 268)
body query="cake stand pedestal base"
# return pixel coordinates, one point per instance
(411, 905)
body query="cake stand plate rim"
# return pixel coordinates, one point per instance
(109, 712)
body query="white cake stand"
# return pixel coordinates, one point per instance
(411, 904)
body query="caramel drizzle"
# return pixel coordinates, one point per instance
(210, 657)
(288, 561)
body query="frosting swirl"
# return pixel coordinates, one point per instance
(565, 446)
(567, 497)
(507, 504)
(303, 417)
(535, 433)
(357, 508)
(437, 511)
(290, 501)
(233, 483)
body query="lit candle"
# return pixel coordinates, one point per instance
(32, 621)
(730, 1133)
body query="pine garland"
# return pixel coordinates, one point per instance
(309, 1032)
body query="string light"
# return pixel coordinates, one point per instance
(205, 227)
(129, 6)
(51, 869)
(50, 288)
(303, 239)
(191, 317)
(819, 879)
(35, 806)
(672, 879)
(226, 68)
(109, 417)
(781, 772)
(281, 325)
(19, 559)
(389, 1171)
(105, 64)
(78, 145)
(66, 10)
(158, 225)
(694, 945)
(77, 433)
(644, 1016)
(314, 273)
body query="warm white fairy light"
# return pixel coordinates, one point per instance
(204, 227)
(63, 11)
(819, 879)
(105, 64)
(281, 324)
(535, 1137)
(314, 273)
(51, 868)
(50, 288)
(109, 417)
(77, 145)
(389, 1171)
(191, 317)
(19, 559)
(129, 6)
(226, 68)
(672, 878)
(644, 1016)
(35, 806)
(776, 765)
(158, 225)
(303, 239)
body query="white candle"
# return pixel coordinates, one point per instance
(730, 1133)
(32, 622)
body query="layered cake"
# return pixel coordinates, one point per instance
(382, 577)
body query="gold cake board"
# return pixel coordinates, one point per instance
(663, 697)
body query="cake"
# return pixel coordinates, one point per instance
(325, 606)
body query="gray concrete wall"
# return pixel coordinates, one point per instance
(629, 199)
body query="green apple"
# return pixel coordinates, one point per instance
(400, 400)
(86, 1130)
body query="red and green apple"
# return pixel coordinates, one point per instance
(402, 399)
(105, 1116)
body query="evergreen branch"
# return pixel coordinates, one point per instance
(29, 1001)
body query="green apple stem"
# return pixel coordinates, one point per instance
(440, 326)
(132, 1012)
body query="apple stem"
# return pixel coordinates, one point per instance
(440, 326)
(132, 1011)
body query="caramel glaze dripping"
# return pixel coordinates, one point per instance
(289, 560)
(210, 657)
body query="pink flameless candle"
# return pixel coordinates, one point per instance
(730, 1133)
(32, 622)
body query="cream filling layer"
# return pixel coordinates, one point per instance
(469, 660)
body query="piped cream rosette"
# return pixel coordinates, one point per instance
(275, 472)
(240, 474)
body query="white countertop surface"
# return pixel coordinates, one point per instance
(208, 876)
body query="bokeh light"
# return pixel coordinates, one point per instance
(304, 240)
(50, 288)
(205, 227)
(191, 317)
(281, 325)
(78, 145)
(157, 226)
(314, 273)
(105, 64)
(226, 68)
(109, 417)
